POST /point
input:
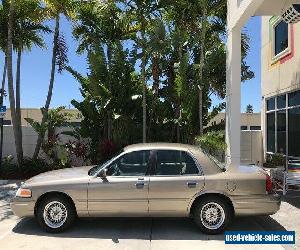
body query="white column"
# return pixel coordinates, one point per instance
(233, 98)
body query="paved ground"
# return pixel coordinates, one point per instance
(136, 233)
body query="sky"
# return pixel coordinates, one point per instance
(35, 72)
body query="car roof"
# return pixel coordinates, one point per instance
(159, 145)
(208, 166)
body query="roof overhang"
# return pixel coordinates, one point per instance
(273, 7)
(239, 11)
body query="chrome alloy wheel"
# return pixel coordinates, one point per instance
(55, 214)
(212, 215)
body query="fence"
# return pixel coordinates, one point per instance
(252, 147)
(251, 144)
(29, 140)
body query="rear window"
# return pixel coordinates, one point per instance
(210, 165)
(174, 162)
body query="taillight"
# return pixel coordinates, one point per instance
(269, 185)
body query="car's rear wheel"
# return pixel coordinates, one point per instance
(55, 214)
(212, 215)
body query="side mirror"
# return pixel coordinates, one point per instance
(102, 174)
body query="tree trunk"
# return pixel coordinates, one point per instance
(200, 97)
(178, 126)
(109, 113)
(201, 66)
(18, 95)
(1, 104)
(143, 75)
(144, 102)
(3, 82)
(10, 82)
(50, 89)
(155, 90)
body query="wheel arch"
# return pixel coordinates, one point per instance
(201, 196)
(53, 194)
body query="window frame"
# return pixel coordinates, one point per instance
(189, 153)
(276, 57)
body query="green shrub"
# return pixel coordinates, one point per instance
(275, 160)
(30, 168)
(213, 143)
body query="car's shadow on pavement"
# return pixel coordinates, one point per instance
(146, 229)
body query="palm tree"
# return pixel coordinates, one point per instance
(249, 109)
(3, 44)
(28, 31)
(143, 11)
(23, 26)
(55, 8)
(16, 127)
(102, 22)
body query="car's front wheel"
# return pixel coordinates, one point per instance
(55, 214)
(212, 215)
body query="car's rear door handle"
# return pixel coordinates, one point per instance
(192, 184)
(140, 185)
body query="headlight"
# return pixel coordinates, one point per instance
(24, 193)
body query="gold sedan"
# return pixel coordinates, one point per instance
(157, 180)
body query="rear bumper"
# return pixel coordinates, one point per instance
(256, 204)
(23, 207)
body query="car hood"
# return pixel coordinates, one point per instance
(60, 175)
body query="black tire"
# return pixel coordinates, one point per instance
(219, 204)
(65, 223)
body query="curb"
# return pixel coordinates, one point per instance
(3, 182)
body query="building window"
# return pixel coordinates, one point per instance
(271, 132)
(282, 124)
(294, 131)
(294, 99)
(281, 131)
(271, 104)
(255, 127)
(244, 128)
(281, 102)
(281, 36)
(7, 122)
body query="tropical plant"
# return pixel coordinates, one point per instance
(26, 21)
(102, 22)
(54, 9)
(56, 118)
(98, 99)
(9, 58)
(28, 31)
(52, 147)
(143, 14)
(213, 143)
(249, 109)
(275, 160)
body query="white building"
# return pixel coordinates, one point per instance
(280, 57)
(239, 11)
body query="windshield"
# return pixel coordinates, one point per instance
(96, 169)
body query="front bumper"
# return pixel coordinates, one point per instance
(23, 207)
(256, 204)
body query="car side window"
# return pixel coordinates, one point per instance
(173, 162)
(130, 164)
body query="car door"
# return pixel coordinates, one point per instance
(175, 181)
(125, 190)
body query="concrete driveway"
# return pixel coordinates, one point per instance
(139, 233)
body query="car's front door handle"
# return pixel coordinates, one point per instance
(192, 184)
